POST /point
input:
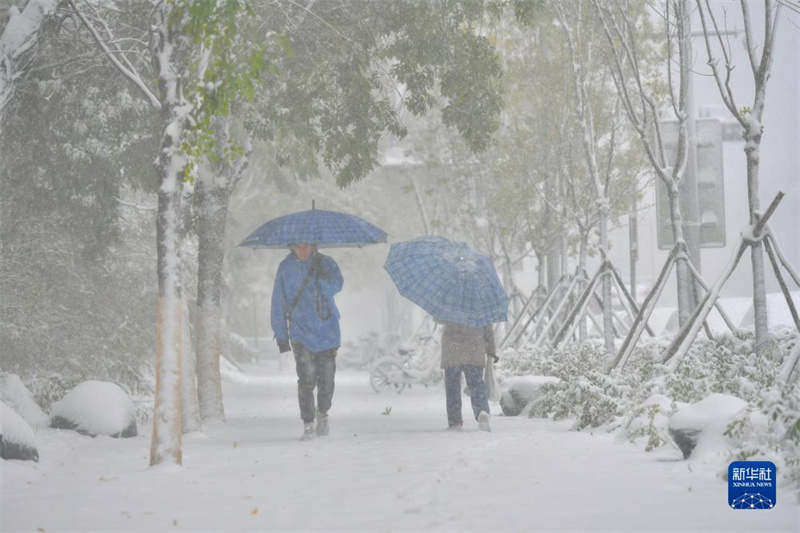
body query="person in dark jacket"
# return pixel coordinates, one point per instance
(305, 319)
(464, 350)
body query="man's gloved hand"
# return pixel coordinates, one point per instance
(284, 346)
(318, 267)
(493, 357)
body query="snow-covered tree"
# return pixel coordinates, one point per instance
(73, 142)
(19, 42)
(630, 45)
(760, 51)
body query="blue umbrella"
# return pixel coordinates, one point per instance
(450, 280)
(328, 229)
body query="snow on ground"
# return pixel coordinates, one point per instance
(376, 472)
(777, 310)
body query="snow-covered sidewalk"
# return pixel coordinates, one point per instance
(388, 465)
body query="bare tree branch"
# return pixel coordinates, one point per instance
(131, 74)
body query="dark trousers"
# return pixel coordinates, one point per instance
(452, 388)
(314, 370)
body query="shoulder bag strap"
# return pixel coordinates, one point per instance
(297, 296)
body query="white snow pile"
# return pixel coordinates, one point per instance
(96, 408)
(700, 427)
(16, 436)
(15, 395)
(518, 393)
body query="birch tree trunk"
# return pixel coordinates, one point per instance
(167, 414)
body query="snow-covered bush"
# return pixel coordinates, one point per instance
(16, 396)
(48, 390)
(727, 366)
(700, 428)
(771, 430)
(17, 440)
(583, 392)
(639, 399)
(650, 421)
(96, 408)
(592, 399)
(519, 394)
(563, 363)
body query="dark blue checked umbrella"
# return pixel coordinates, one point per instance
(328, 229)
(448, 279)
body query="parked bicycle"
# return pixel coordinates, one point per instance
(415, 364)
(360, 355)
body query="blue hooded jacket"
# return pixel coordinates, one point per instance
(315, 319)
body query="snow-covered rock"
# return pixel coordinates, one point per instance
(701, 426)
(15, 395)
(519, 392)
(95, 408)
(17, 440)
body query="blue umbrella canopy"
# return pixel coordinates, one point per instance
(329, 229)
(448, 279)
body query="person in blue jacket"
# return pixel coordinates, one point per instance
(305, 320)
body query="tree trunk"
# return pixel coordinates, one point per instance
(167, 413)
(682, 274)
(608, 312)
(423, 214)
(752, 151)
(213, 213)
(165, 446)
(191, 413)
(688, 185)
(541, 270)
(633, 240)
(554, 241)
(582, 256)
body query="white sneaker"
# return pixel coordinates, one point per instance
(323, 427)
(308, 431)
(483, 421)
